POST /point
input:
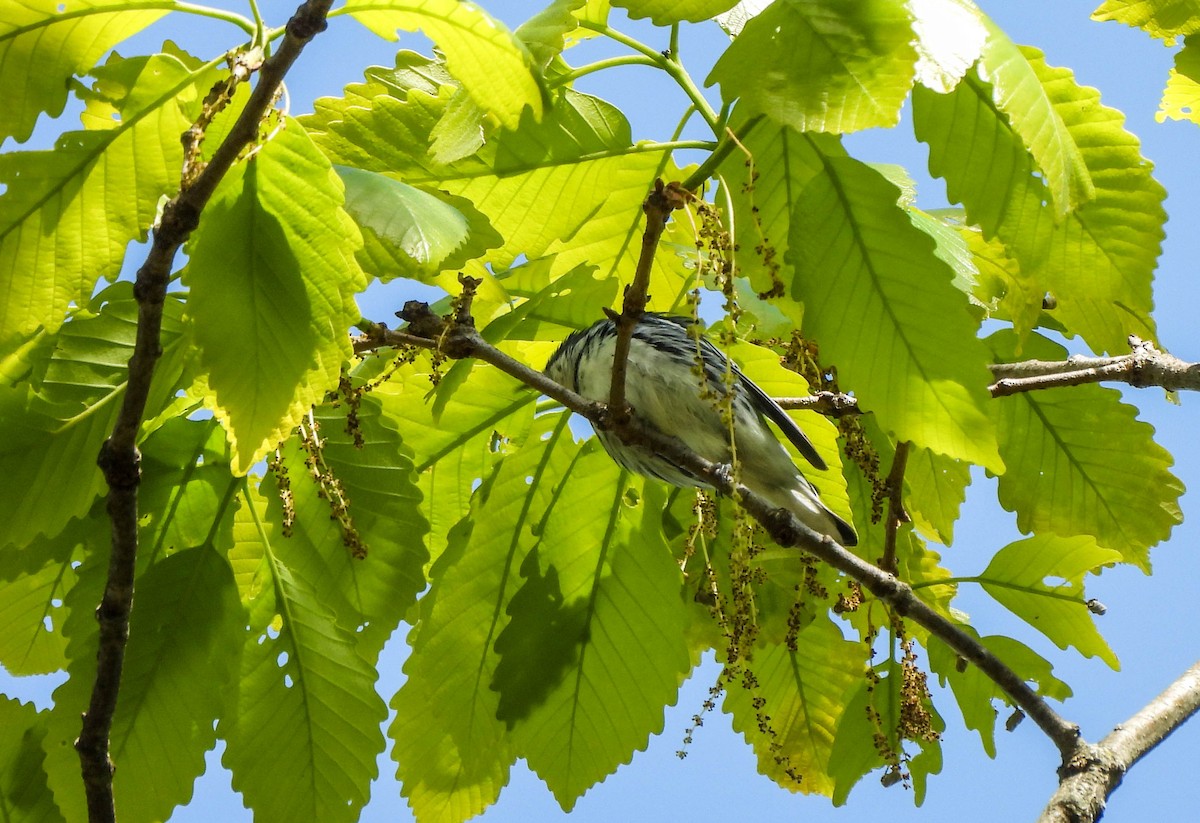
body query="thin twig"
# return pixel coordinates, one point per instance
(658, 206)
(119, 458)
(458, 341)
(1091, 774)
(896, 513)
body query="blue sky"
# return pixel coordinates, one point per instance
(1149, 622)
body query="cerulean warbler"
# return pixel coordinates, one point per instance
(662, 386)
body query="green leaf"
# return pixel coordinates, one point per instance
(1097, 257)
(873, 710)
(59, 419)
(1164, 19)
(44, 43)
(822, 65)
(544, 34)
(453, 754)
(412, 233)
(936, 488)
(31, 610)
(372, 490)
(305, 704)
(494, 66)
(804, 693)
(1025, 92)
(975, 691)
(24, 795)
(426, 229)
(666, 12)
(1181, 97)
(67, 215)
(1081, 463)
(763, 204)
(950, 38)
(594, 648)
(273, 279)
(869, 281)
(1017, 578)
(178, 666)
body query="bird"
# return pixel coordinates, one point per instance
(662, 386)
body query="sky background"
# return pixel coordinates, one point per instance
(1150, 620)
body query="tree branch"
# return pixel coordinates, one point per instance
(895, 513)
(1091, 774)
(658, 207)
(1145, 366)
(459, 340)
(119, 458)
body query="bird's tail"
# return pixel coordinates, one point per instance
(803, 501)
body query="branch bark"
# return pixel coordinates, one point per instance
(1092, 772)
(119, 458)
(1144, 367)
(658, 206)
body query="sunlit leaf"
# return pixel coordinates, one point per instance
(822, 66)
(1040, 579)
(43, 43)
(1080, 462)
(273, 278)
(494, 66)
(869, 281)
(67, 214)
(594, 648)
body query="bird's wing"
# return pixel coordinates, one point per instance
(772, 411)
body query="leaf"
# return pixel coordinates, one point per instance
(272, 277)
(666, 12)
(869, 281)
(44, 43)
(950, 38)
(305, 704)
(24, 795)
(822, 65)
(594, 648)
(1023, 91)
(1098, 256)
(373, 487)
(58, 421)
(1080, 463)
(67, 215)
(545, 33)
(872, 710)
(734, 20)
(494, 66)
(1164, 19)
(31, 610)
(936, 488)
(804, 694)
(453, 754)
(975, 691)
(1181, 97)
(178, 666)
(412, 233)
(1017, 577)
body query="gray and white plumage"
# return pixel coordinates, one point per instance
(662, 387)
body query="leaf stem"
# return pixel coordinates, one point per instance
(601, 65)
(674, 69)
(728, 142)
(1002, 584)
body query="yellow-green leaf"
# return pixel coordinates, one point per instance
(494, 66)
(1017, 578)
(273, 277)
(822, 65)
